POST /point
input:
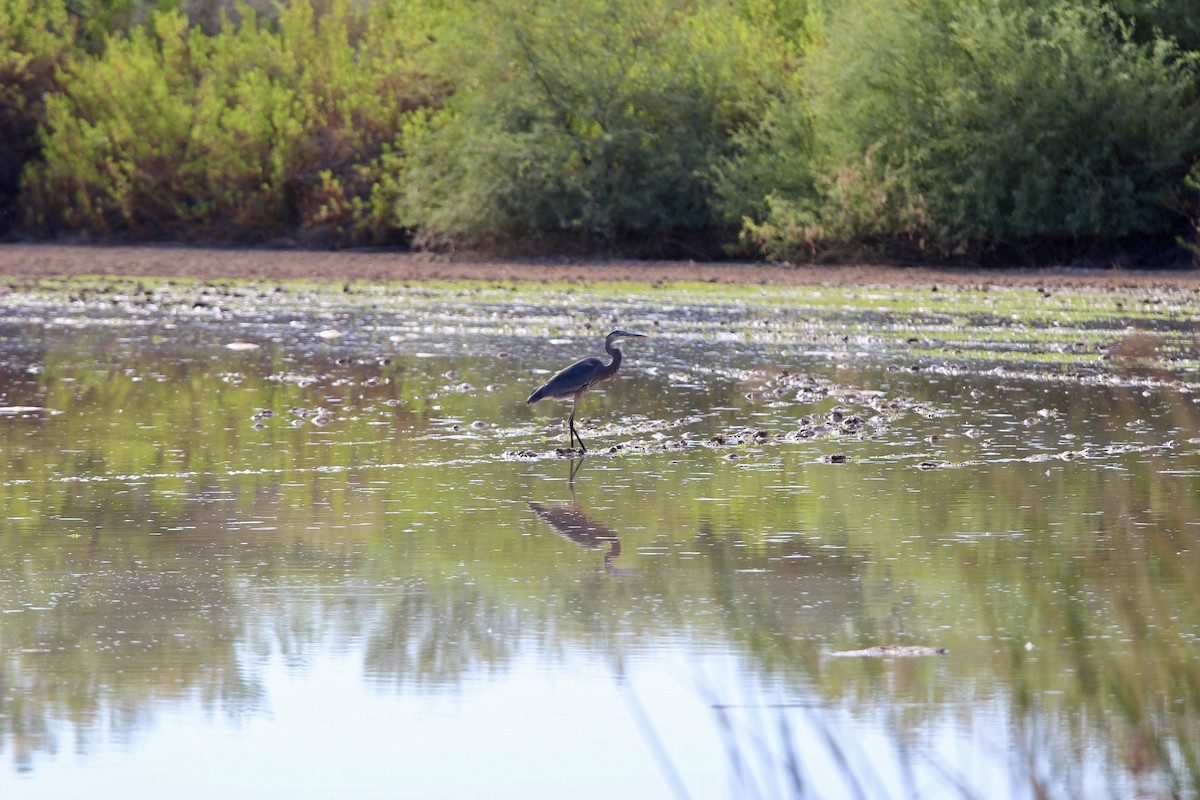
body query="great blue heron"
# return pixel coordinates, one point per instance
(572, 382)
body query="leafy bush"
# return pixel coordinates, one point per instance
(1191, 206)
(966, 123)
(257, 132)
(598, 122)
(769, 159)
(857, 210)
(652, 126)
(35, 41)
(98, 20)
(1175, 19)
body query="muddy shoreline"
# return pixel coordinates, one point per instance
(42, 260)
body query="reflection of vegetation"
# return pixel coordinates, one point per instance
(1081, 621)
(1123, 658)
(100, 635)
(147, 565)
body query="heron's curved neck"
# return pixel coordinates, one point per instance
(612, 350)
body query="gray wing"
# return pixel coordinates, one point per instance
(567, 382)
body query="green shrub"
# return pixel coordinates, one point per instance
(856, 210)
(256, 132)
(1191, 208)
(99, 20)
(1174, 19)
(596, 122)
(650, 126)
(966, 123)
(96, 20)
(768, 159)
(36, 39)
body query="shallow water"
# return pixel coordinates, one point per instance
(288, 541)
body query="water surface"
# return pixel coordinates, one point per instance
(294, 541)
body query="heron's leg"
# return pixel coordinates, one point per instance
(571, 422)
(577, 437)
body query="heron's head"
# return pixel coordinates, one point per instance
(620, 336)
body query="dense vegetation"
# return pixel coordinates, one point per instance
(791, 129)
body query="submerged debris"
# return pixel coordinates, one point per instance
(893, 651)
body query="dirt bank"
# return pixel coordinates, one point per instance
(21, 260)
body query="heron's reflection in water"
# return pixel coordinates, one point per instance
(573, 523)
